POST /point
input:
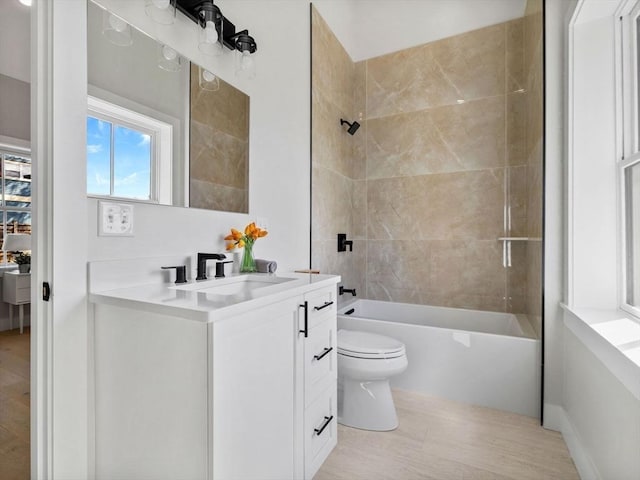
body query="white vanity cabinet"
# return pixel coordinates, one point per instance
(247, 396)
(254, 382)
(320, 379)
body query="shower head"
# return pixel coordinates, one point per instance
(353, 127)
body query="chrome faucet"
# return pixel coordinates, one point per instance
(202, 263)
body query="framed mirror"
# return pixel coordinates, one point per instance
(161, 129)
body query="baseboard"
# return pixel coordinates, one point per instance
(555, 418)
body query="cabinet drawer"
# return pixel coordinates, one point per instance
(23, 281)
(320, 352)
(23, 295)
(320, 303)
(321, 419)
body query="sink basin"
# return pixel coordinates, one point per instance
(239, 285)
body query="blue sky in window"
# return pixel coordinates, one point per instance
(132, 160)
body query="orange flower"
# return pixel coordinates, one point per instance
(239, 239)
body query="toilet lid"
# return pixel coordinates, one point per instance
(353, 342)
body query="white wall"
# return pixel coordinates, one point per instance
(604, 416)
(14, 108)
(279, 141)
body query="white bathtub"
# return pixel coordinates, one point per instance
(482, 358)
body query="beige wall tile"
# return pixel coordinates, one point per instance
(517, 201)
(359, 202)
(407, 145)
(455, 205)
(333, 70)
(212, 196)
(516, 123)
(515, 55)
(332, 204)
(226, 109)
(332, 147)
(217, 157)
(407, 81)
(474, 131)
(474, 62)
(467, 268)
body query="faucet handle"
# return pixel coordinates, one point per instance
(181, 273)
(220, 268)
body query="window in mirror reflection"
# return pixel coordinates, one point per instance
(125, 153)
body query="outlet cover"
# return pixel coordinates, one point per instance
(115, 219)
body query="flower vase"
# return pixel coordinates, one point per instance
(248, 264)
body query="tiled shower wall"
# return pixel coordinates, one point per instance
(452, 149)
(338, 170)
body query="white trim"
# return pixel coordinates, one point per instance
(42, 222)
(561, 422)
(589, 326)
(15, 144)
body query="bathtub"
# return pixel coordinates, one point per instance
(482, 358)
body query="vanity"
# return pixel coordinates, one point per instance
(231, 378)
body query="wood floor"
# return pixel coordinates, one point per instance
(14, 405)
(444, 440)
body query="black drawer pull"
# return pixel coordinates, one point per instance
(326, 304)
(327, 421)
(323, 354)
(305, 305)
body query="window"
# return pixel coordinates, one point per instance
(128, 154)
(629, 163)
(15, 196)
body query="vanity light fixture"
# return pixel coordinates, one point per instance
(116, 30)
(245, 54)
(161, 11)
(207, 80)
(168, 59)
(218, 31)
(210, 20)
(26, 3)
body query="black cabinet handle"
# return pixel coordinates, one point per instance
(323, 354)
(326, 304)
(327, 421)
(305, 305)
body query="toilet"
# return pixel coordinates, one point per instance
(366, 361)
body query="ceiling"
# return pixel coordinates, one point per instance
(370, 28)
(366, 28)
(15, 40)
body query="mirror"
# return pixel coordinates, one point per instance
(176, 135)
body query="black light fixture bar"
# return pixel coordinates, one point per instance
(192, 8)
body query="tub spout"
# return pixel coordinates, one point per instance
(342, 290)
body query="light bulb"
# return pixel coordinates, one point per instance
(208, 76)
(246, 63)
(117, 24)
(210, 33)
(169, 53)
(26, 2)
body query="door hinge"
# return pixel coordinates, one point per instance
(46, 291)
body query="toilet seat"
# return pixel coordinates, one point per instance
(368, 345)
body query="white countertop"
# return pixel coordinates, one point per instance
(166, 299)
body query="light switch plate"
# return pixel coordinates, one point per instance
(115, 219)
